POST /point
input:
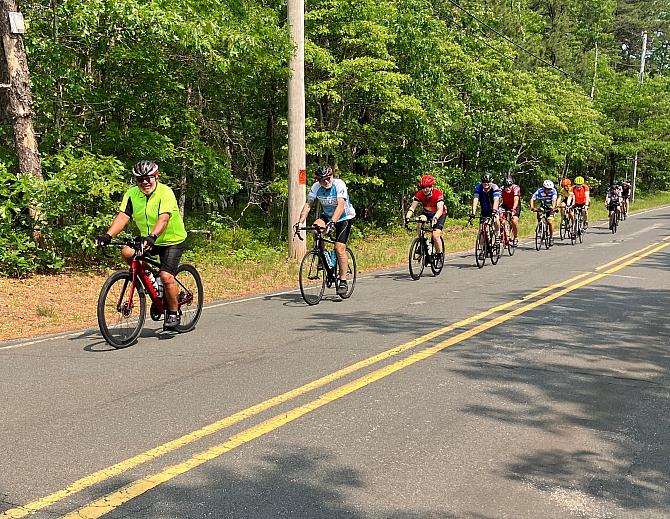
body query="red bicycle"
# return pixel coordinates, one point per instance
(506, 239)
(122, 301)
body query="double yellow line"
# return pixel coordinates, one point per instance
(115, 499)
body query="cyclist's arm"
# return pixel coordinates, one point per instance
(475, 201)
(532, 203)
(517, 201)
(339, 210)
(440, 210)
(554, 202)
(304, 212)
(118, 224)
(161, 224)
(411, 209)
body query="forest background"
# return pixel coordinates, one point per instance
(395, 89)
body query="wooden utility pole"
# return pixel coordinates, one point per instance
(17, 90)
(642, 59)
(297, 177)
(595, 74)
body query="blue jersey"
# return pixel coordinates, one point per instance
(328, 198)
(545, 198)
(486, 198)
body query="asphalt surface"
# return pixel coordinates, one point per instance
(557, 405)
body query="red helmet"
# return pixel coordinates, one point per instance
(427, 181)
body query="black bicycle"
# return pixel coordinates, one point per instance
(613, 217)
(485, 243)
(319, 267)
(578, 225)
(422, 250)
(542, 229)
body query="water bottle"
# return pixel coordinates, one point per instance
(152, 278)
(333, 258)
(159, 287)
(429, 247)
(329, 258)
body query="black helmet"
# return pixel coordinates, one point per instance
(144, 168)
(487, 177)
(509, 181)
(323, 172)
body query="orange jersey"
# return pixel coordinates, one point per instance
(580, 192)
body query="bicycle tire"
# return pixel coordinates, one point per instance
(129, 325)
(190, 298)
(563, 228)
(494, 251)
(480, 249)
(538, 236)
(351, 274)
(312, 277)
(436, 265)
(416, 259)
(545, 236)
(580, 228)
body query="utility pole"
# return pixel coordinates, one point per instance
(642, 59)
(17, 89)
(297, 176)
(595, 74)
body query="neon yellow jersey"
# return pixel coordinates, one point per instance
(565, 193)
(144, 210)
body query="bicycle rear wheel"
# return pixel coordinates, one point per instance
(190, 296)
(437, 260)
(121, 320)
(480, 249)
(312, 278)
(351, 274)
(416, 260)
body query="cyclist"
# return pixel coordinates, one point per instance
(626, 189)
(338, 215)
(613, 201)
(566, 200)
(488, 195)
(511, 201)
(153, 208)
(434, 208)
(582, 198)
(546, 196)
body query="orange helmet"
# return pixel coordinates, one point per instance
(566, 182)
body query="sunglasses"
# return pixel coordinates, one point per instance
(327, 179)
(145, 178)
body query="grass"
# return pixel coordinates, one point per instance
(228, 271)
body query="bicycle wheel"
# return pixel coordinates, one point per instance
(480, 249)
(351, 274)
(312, 278)
(545, 235)
(437, 260)
(563, 228)
(416, 260)
(494, 251)
(580, 227)
(121, 320)
(508, 238)
(573, 230)
(190, 296)
(538, 236)
(612, 223)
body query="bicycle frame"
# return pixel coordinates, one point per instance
(319, 248)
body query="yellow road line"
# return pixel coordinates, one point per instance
(115, 499)
(161, 450)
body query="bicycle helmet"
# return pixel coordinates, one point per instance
(579, 181)
(509, 181)
(487, 177)
(145, 168)
(548, 184)
(427, 181)
(323, 172)
(566, 182)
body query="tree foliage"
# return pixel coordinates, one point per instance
(394, 89)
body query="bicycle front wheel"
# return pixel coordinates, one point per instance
(416, 262)
(190, 296)
(538, 236)
(120, 318)
(312, 278)
(480, 249)
(494, 250)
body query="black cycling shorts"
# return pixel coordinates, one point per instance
(169, 255)
(516, 213)
(439, 225)
(342, 229)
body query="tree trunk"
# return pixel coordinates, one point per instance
(19, 98)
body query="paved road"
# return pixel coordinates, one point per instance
(536, 388)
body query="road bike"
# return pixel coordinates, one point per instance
(506, 239)
(319, 267)
(122, 302)
(485, 243)
(613, 217)
(542, 229)
(578, 225)
(624, 208)
(567, 223)
(422, 252)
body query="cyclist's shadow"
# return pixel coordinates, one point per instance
(101, 346)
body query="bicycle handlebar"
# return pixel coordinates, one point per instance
(314, 227)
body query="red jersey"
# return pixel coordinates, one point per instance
(430, 204)
(580, 192)
(508, 197)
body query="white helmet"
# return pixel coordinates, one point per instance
(548, 184)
